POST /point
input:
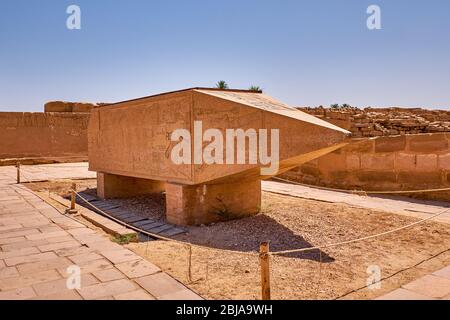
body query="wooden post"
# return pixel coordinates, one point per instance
(264, 261)
(73, 199)
(18, 172)
(189, 257)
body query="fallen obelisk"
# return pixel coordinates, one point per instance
(208, 149)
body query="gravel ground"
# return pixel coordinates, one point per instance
(290, 223)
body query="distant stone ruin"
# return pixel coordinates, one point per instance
(375, 122)
(74, 107)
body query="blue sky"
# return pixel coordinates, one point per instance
(300, 52)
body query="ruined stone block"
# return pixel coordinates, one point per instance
(353, 161)
(201, 204)
(390, 144)
(427, 162)
(444, 161)
(428, 143)
(378, 161)
(115, 186)
(134, 139)
(405, 162)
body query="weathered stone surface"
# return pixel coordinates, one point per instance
(390, 144)
(427, 162)
(181, 295)
(160, 285)
(377, 162)
(58, 286)
(18, 294)
(39, 236)
(28, 279)
(188, 205)
(107, 289)
(405, 162)
(134, 295)
(8, 272)
(353, 162)
(109, 275)
(428, 143)
(444, 162)
(138, 268)
(60, 245)
(30, 258)
(444, 273)
(118, 256)
(115, 186)
(430, 286)
(40, 266)
(372, 122)
(399, 169)
(91, 266)
(85, 257)
(403, 294)
(35, 135)
(18, 253)
(130, 164)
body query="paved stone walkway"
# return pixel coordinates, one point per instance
(435, 286)
(399, 205)
(38, 245)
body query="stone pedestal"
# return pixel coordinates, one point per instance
(206, 203)
(114, 186)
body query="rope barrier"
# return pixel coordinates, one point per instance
(363, 238)
(362, 191)
(50, 204)
(276, 253)
(156, 235)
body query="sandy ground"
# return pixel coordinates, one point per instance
(62, 187)
(290, 223)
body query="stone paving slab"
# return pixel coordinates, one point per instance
(403, 294)
(38, 244)
(134, 295)
(435, 286)
(160, 285)
(109, 275)
(137, 269)
(430, 286)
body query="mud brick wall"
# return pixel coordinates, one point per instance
(374, 122)
(24, 135)
(408, 162)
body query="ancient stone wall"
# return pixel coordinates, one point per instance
(34, 135)
(371, 122)
(64, 106)
(407, 162)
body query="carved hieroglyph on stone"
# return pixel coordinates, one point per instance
(130, 148)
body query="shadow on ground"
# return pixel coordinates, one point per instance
(246, 234)
(241, 235)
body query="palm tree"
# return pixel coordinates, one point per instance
(222, 85)
(255, 88)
